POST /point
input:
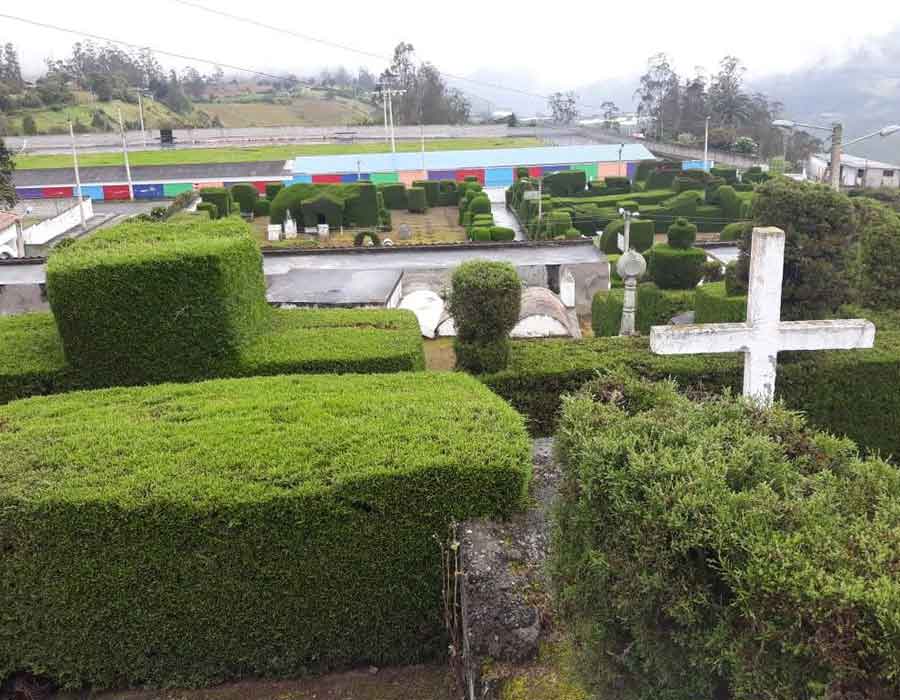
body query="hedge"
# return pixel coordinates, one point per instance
(480, 233)
(449, 193)
(616, 184)
(682, 233)
(295, 341)
(735, 231)
(655, 307)
(565, 183)
(262, 207)
(432, 191)
(221, 198)
(211, 209)
(272, 190)
(709, 549)
(502, 233)
(730, 202)
(675, 268)
(851, 392)
(480, 204)
(246, 196)
(714, 305)
(153, 302)
(240, 528)
(362, 207)
(322, 206)
(394, 195)
(640, 236)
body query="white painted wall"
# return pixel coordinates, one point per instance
(47, 230)
(428, 308)
(539, 327)
(8, 242)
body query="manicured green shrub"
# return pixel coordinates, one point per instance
(675, 268)
(432, 191)
(655, 307)
(640, 236)
(617, 184)
(734, 285)
(683, 184)
(361, 207)
(220, 197)
(473, 179)
(598, 187)
(302, 511)
(502, 233)
(485, 300)
(245, 195)
(211, 210)
(394, 194)
(572, 234)
(682, 233)
(730, 202)
(630, 205)
(262, 207)
(727, 174)
(606, 312)
(736, 231)
(448, 193)
(522, 173)
(754, 174)
(819, 223)
(565, 183)
(684, 204)
(322, 209)
(662, 179)
(359, 240)
(743, 187)
(644, 168)
(559, 222)
(686, 567)
(480, 204)
(272, 190)
(878, 278)
(714, 305)
(145, 302)
(713, 271)
(481, 233)
(711, 189)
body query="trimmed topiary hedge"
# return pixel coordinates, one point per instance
(432, 191)
(736, 231)
(480, 233)
(485, 300)
(245, 195)
(148, 302)
(221, 198)
(502, 233)
(306, 341)
(479, 204)
(682, 233)
(655, 307)
(301, 511)
(675, 268)
(362, 207)
(212, 211)
(711, 549)
(394, 194)
(262, 207)
(641, 236)
(730, 202)
(714, 305)
(565, 183)
(853, 392)
(322, 208)
(558, 222)
(272, 190)
(616, 184)
(449, 193)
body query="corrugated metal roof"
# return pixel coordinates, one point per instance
(453, 160)
(857, 162)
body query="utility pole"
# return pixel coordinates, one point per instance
(619, 165)
(387, 132)
(391, 117)
(77, 178)
(422, 127)
(837, 137)
(141, 109)
(706, 147)
(125, 153)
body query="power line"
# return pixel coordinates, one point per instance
(98, 37)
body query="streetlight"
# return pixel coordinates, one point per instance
(706, 147)
(837, 142)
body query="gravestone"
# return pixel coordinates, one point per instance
(567, 288)
(404, 232)
(274, 232)
(290, 227)
(764, 334)
(323, 231)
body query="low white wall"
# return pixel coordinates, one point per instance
(49, 229)
(8, 242)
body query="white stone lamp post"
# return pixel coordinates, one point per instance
(764, 334)
(631, 267)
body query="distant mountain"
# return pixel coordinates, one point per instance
(492, 90)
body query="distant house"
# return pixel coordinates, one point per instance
(855, 171)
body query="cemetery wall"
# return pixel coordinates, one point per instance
(234, 528)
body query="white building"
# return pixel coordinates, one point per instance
(855, 171)
(9, 233)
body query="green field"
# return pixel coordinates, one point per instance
(248, 155)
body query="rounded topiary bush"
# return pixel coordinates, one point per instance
(573, 234)
(262, 207)
(480, 204)
(211, 209)
(502, 233)
(630, 205)
(559, 222)
(682, 233)
(485, 300)
(417, 200)
(735, 231)
(734, 285)
(640, 237)
(361, 237)
(675, 268)
(246, 196)
(481, 233)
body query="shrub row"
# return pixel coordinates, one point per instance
(242, 527)
(854, 392)
(294, 342)
(221, 197)
(710, 549)
(714, 305)
(656, 307)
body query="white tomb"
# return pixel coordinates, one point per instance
(764, 334)
(274, 232)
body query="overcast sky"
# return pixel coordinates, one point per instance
(582, 43)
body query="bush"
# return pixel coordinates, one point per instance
(755, 563)
(711, 189)
(655, 307)
(481, 233)
(272, 190)
(212, 211)
(449, 195)
(641, 235)
(818, 223)
(221, 198)
(736, 231)
(630, 205)
(727, 174)
(323, 208)
(682, 233)
(675, 268)
(683, 184)
(394, 195)
(502, 233)
(572, 234)
(522, 173)
(617, 185)
(144, 303)
(188, 525)
(361, 207)
(606, 312)
(262, 207)
(360, 238)
(485, 300)
(714, 305)
(644, 169)
(432, 191)
(713, 271)
(558, 222)
(684, 204)
(565, 183)
(879, 255)
(730, 202)
(662, 179)
(734, 285)
(246, 196)
(480, 204)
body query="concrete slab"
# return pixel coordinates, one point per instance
(346, 288)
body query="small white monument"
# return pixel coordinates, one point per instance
(631, 267)
(764, 334)
(567, 289)
(322, 230)
(290, 227)
(274, 232)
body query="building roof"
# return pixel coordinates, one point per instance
(333, 287)
(454, 160)
(856, 162)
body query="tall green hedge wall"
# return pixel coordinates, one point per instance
(245, 195)
(221, 198)
(151, 302)
(235, 528)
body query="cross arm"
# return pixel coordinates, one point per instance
(702, 338)
(842, 334)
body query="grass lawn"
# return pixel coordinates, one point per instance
(248, 155)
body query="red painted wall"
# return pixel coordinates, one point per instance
(117, 192)
(535, 172)
(326, 179)
(49, 192)
(461, 175)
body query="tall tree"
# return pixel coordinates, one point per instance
(729, 103)
(655, 93)
(10, 70)
(563, 107)
(694, 105)
(7, 165)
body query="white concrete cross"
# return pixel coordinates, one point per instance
(764, 334)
